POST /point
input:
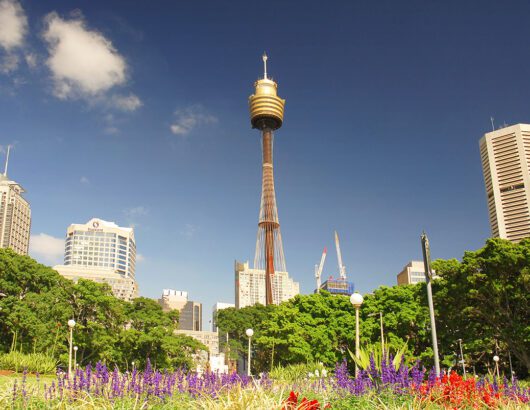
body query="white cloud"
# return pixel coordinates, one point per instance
(140, 257)
(189, 230)
(83, 63)
(13, 24)
(46, 248)
(9, 63)
(84, 180)
(129, 102)
(135, 212)
(31, 60)
(188, 118)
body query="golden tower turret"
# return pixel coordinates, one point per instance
(266, 108)
(266, 114)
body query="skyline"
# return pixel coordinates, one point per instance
(383, 88)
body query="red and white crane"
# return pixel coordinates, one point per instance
(342, 268)
(318, 269)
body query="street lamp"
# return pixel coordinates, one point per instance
(249, 333)
(71, 324)
(462, 358)
(496, 360)
(382, 333)
(356, 300)
(75, 358)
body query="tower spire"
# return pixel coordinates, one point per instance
(264, 65)
(7, 160)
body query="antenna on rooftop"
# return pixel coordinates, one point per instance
(7, 160)
(265, 65)
(492, 125)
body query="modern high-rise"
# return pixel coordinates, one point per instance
(250, 286)
(505, 157)
(103, 252)
(15, 215)
(216, 308)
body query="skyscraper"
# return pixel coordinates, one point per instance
(103, 252)
(266, 115)
(505, 157)
(15, 214)
(250, 286)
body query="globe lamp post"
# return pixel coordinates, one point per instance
(357, 300)
(249, 333)
(496, 360)
(75, 358)
(71, 324)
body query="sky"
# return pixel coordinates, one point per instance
(137, 113)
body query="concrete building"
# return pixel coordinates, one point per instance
(190, 313)
(209, 339)
(103, 252)
(338, 287)
(216, 308)
(505, 155)
(413, 272)
(190, 317)
(250, 286)
(173, 299)
(15, 215)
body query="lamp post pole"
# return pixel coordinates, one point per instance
(462, 358)
(496, 360)
(356, 299)
(428, 277)
(71, 324)
(382, 331)
(75, 358)
(249, 333)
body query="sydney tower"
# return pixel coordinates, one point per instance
(266, 114)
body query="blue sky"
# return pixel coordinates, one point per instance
(136, 112)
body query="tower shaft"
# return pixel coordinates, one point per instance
(269, 250)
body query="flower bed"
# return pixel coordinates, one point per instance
(99, 387)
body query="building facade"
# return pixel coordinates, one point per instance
(209, 339)
(173, 299)
(190, 313)
(338, 287)
(216, 308)
(15, 216)
(412, 273)
(104, 252)
(505, 155)
(250, 286)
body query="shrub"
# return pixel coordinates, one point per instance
(32, 362)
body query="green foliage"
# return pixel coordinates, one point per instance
(484, 300)
(32, 362)
(39, 302)
(294, 373)
(363, 361)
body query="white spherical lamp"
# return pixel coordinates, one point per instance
(356, 299)
(71, 323)
(75, 348)
(249, 333)
(495, 358)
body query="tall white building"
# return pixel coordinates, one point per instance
(15, 215)
(250, 286)
(103, 252)
(505, 157)
(216, 308)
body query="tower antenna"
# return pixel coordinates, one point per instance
(492, 125)
(7, 160)
(265, 65)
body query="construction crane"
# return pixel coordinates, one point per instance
(342, 268)
(318, 269)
